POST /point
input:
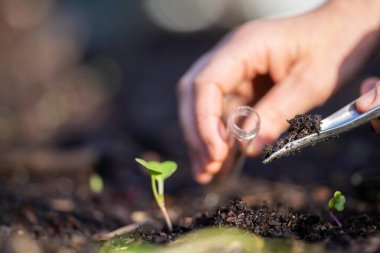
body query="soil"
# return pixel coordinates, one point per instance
(299, 126)
(280, 222)
(60, 213)
(52, 221)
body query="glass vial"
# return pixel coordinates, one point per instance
(243, 124)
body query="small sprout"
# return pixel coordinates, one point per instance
(336, 202)
(96, 183)
(158, 173)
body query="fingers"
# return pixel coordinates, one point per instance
(186, 93)
(208, 116)
(210, 91)
(186, 104)
(370, 98)
(370, 90)
(297, 94)
(201, 109)
(210, 109)
(200, 175)
(202, 114)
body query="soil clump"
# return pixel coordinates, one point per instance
(299, 126)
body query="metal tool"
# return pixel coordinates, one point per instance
(339, 122)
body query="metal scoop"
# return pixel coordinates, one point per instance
(339, 122)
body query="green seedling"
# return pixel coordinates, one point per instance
(336, 202)
(96, 183)
(159, 172)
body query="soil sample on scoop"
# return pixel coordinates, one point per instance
(299, 126)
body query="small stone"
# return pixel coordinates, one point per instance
(257, 230)
(139, 216)
(61, 204)
(230, 219)
(187, 221)
(273, 223)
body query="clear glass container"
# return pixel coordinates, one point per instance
(243, 124)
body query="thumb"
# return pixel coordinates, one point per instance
(370, 90)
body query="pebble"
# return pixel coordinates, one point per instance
(273, 223)
(231, 219)
(21, 243)
(139, 216)
(64, 205)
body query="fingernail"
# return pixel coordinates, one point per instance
(201, 175)
(213, 167)
(203, 178)
(367, 99)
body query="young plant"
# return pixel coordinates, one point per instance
(336, 202)
(158, 173)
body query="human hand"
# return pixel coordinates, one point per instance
(306, 57)
(370, 90)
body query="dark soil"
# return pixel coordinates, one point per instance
(274, 223)
(299, 126)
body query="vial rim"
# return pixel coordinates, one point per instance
(241, 134)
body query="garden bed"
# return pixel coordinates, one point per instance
(38, 211)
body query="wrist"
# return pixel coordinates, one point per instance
(350, 32)
(351, 23)
(360, 12)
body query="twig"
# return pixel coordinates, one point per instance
(109, 235)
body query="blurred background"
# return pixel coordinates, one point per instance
(87, 86)
(81, 65)
(84, 82)
(93, 83)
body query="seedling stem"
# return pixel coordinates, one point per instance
(158, 173)
(336, 202)
(335, 219)
(159, 196)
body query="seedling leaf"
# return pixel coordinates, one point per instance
(152, 167)
(167, 168)
(161, 170)
(96, 183)
(339, 205)
(337, 202)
